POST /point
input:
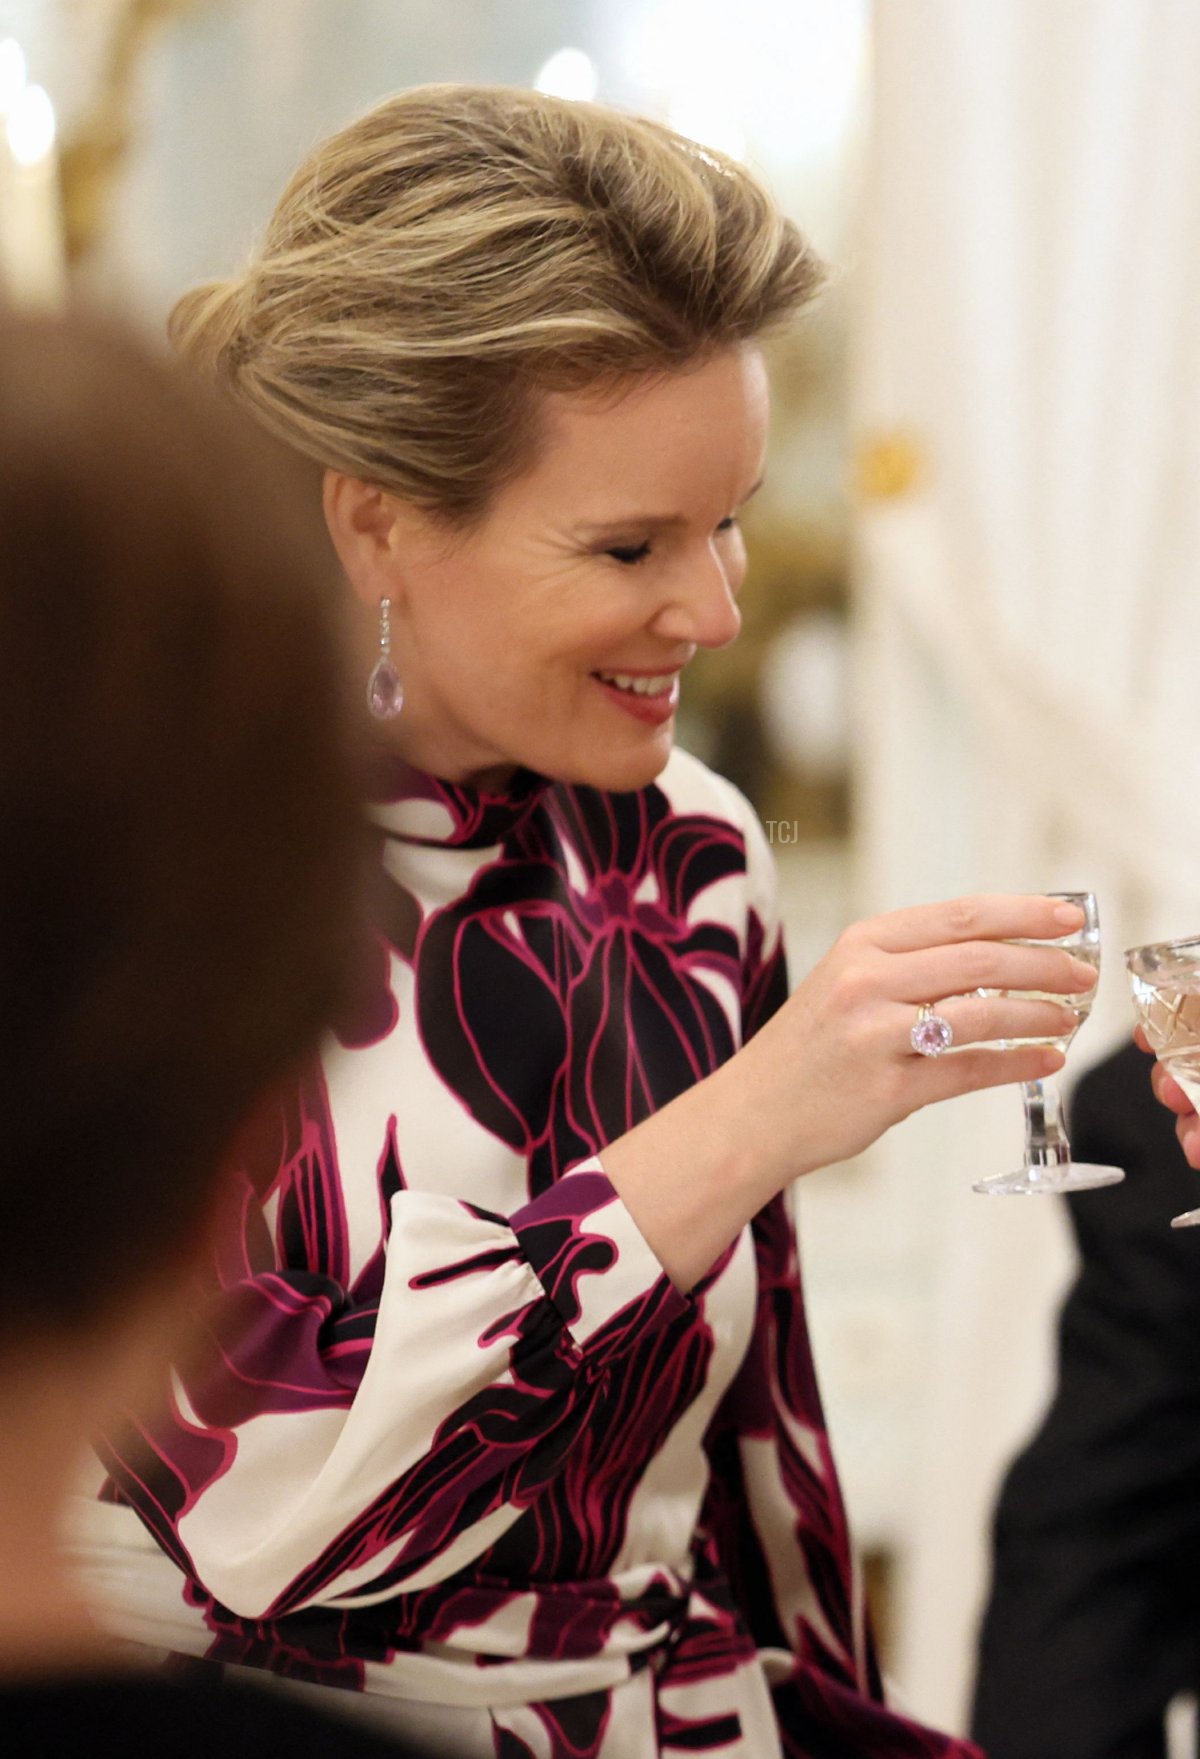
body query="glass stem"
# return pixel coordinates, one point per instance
(1046, 1143)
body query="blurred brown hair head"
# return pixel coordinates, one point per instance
(179, 842)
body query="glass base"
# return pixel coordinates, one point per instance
(1071, 1175)
(1189, 1219)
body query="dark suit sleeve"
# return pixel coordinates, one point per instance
(1093, 1623)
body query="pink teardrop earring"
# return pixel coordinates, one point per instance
(385, 693)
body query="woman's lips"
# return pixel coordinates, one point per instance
(654, 710)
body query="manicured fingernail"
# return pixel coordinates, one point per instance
(1070, 915)
(1086, 970)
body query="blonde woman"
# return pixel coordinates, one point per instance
(508, 1420)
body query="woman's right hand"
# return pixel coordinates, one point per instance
(834, 1068)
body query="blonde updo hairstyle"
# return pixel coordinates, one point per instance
(459, 249)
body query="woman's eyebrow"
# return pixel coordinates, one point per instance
(628, 521)
(651, 521)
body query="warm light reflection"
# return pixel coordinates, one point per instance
(30, 125)
(569, 74)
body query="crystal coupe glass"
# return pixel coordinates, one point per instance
(1165, 980)
(1048, 1164)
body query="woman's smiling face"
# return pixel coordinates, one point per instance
(553, 634)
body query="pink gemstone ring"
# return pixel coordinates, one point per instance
(932, 1033)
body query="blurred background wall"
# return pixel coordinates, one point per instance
(971, 620)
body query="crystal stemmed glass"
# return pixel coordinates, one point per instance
(1165, 980)
(1048, 1163)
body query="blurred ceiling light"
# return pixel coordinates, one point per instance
(30, 125)
(12, 73)
(569, 73)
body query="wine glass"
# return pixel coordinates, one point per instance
(1048, 1164)
(1165, 980)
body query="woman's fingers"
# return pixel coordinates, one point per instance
(968, 1071)
(991, 916)
(847, 1026)
(936, 972)
(986, 1019)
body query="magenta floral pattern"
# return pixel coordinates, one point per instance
(450, 1432)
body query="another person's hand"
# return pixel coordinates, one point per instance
(1169, 1093)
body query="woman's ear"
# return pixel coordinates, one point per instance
(364, 523)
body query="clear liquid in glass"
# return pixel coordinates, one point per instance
(1080, 1005)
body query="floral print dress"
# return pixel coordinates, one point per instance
(452, 1438)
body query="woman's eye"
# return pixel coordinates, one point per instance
(728, 524)
(628, 554)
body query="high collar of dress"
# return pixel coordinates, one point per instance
(415, 807)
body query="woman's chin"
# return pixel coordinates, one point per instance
(623, 772)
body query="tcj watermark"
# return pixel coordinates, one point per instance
(783, 830)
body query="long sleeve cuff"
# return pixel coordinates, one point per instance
(590, 1257)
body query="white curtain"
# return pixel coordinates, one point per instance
(1029, 627)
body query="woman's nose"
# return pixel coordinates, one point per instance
(702, 605)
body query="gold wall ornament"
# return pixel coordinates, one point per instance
(95, 150)
(888, 465)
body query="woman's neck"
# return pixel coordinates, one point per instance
(460, 765)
